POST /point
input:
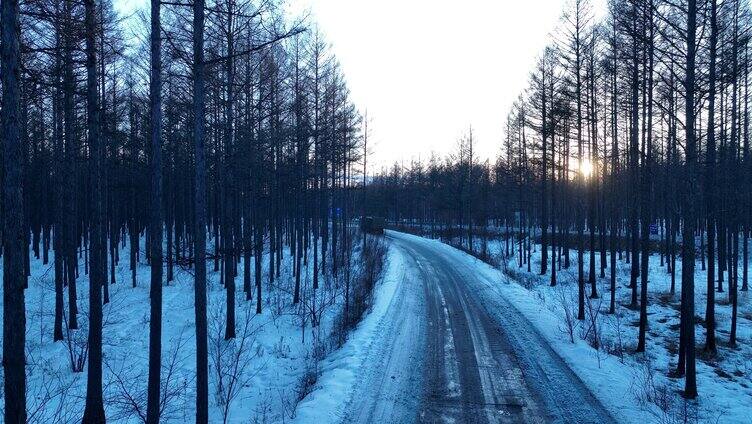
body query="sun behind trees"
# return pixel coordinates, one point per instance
(631, 141)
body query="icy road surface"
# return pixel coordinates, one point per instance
(447, 350)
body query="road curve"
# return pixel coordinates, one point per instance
(447, 354)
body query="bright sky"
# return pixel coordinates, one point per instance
(428, 69)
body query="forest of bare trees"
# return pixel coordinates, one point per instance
(221, 132)
(631, 141)
(217, 143)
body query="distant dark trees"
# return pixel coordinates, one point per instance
(246, 143)
(632, 140)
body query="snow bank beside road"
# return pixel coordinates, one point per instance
(341, 370)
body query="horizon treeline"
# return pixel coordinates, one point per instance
(225, 120)
(632, 138)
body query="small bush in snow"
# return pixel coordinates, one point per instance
(308, 382)
(230, 359)
(660, 399)
(569, 321)
(591, 332)
(281, 349)
(359, 291)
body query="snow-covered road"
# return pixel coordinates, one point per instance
(447, 348)
(471, 373)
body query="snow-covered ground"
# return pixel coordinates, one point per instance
(281, 351)
(265, 370)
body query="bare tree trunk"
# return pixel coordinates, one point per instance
(155, 321)
(614, 227)
(580, 158)
(94, 409)
(592, 185)
(14, 248)
(199, 231)
(553, 199)
(646, 190)
(710, 158)
(58, 246)
(228, 189)
(688, 208)
(69, 244)
(633, 158)
(544, 176)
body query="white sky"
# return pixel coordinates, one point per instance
(428, 69)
